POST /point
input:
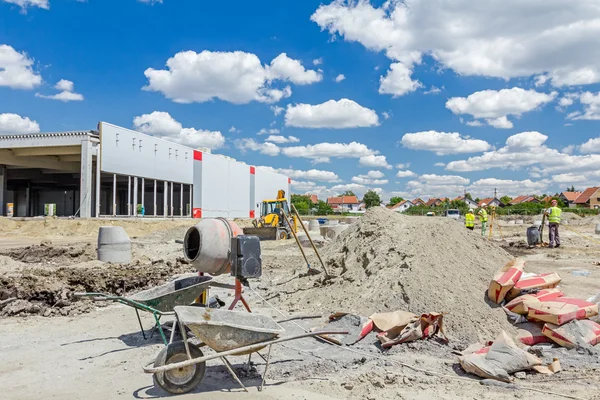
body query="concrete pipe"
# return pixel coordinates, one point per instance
(114, 245)
(597, 229)
(207, 245)
(331, 232)
(313, 225)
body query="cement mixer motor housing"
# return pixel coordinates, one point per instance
(245, 258)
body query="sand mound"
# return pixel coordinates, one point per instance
(386, 261)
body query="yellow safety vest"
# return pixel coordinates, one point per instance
(554, 216)
(482, 215)
(469, 220)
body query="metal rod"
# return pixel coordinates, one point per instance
(310, 239)
(184, 335)
(173, 328)
(233, 374)
(266, 368)
(140, 322)
(296, 237)
(252, 347)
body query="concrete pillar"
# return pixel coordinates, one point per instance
(190, 213)
(143, 192)
(98, 176)
(172, 206)
(135, 195)
(3, 180)
(128, 196)
(114, 194)
(85, 183)
(181, 200)
(165, 202)
(155, 197)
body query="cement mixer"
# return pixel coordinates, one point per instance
(207, 245)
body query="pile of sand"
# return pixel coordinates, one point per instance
(386, 262)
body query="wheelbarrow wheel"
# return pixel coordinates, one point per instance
(180, 380)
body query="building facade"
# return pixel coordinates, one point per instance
(114, 171)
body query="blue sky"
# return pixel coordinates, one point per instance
(417, 77)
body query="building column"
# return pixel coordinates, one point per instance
(155, 197)
(3, 179)
(129, 196)
(143, 192)
(98, 176)
(85, 183)
(190, 212)
(172, 206)
(135, 195)
(165, 202)
(114, 196)
(181, 200)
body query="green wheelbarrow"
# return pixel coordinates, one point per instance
(160, 300)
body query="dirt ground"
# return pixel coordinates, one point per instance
(80, 350)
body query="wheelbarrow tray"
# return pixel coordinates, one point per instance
(224, 330)
(182, 291)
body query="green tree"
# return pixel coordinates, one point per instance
(477, 199)
(395, 200)
(348, 193)
(323, 208)
(505, 199)
(571, 189)
(468, 196)
(302, 202)
(371, 199)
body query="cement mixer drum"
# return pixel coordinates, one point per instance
(207, 245)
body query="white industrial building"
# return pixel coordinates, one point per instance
(113, 171)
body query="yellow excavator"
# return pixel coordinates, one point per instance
(276, 221)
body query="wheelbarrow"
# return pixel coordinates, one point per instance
(180, 366)
(159, 300)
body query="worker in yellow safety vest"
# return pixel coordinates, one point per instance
(470, 220)
(483, 218)
(553, 214)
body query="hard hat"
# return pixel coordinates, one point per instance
(483, 204)
(470, 210)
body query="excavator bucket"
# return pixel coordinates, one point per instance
(265, 233)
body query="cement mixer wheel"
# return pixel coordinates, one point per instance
(180, 380)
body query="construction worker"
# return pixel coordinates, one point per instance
(553, 214)
(483, 218)
(470, 220)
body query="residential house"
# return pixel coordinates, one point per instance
(343, 203)
(523, 199)
(402, 206)
(418, 202)
(470, 203)
(314, 198)
(590, 198)
(491, 201)
(434, 202)
(569, 198)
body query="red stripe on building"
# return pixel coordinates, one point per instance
(197, 213)
(289, 180)
(252, 170)
(197, 155)
(252, 214)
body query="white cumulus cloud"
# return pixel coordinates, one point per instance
(66, 92)
(24, 4)
(405, 174)
(162, 124)
(591, 146)
(15, 124)
(16, 69)
(398, 81)
(282, 139)
(324, 151)
(340, 78)
(237, 77)
(494, 106)
(333, 114)
(443, 143)
(374, 161)
(503, 39)
(267, 148)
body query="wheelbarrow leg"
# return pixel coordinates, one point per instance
(184, 336)
(140, 322)
(249, 360)
(233, 374)
(173, 328)
(266, 368)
